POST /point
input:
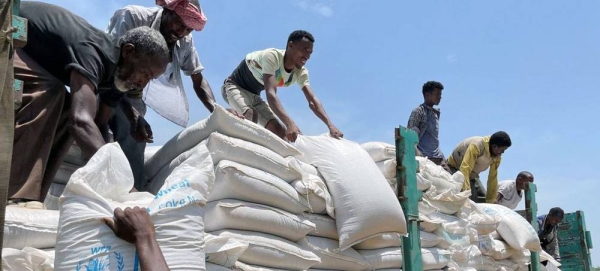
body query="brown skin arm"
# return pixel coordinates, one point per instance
(499, 197)
(140, 129)
(203, 91)
(135, 226)
(317, 108)
(275, 104)
(83, 113)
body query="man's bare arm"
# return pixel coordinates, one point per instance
(203, 91)
(317, 108)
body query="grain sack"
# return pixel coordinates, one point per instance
(379, 151)
(236, 181)
(380, 241)
(429, 239)
(149, 151)
(225, 123)
(439, 178)
(456, 233)
(513, 228)
(521, 257)
(27, 259)
(429, 224)
(223, 251)
(313, 188)
(325, 249)
(324, 226)
(383, 258)
(365, 206)
(156, 183)
(240, 215)
(94, 191)
(388, 168)
(447, 202)
(464, 254)
(496, 249)
(435, 258)
(33, 228)
(271, 251)
(216, 267)
(240, 266)
(223, 147)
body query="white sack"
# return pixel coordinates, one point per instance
(380, 241)
(447, 202)
(271, 251)
(496, 249)
(379, 151)
(223, 147)
(25, 227)
(240, 215)
(149, 151)
(156, 183)
(313, 188)
(429, 224)
(365, 205)
(383, 258)
(429, 239)
(236, 181)
(216, 267)
(387, 168)
(303, 167)
(324, 226)
(223, 251)
(438, 176)
(240, 266)
(95, 190)
(219, 121)
(27, 259)
(326, 248)
(434, 258)
(513, 228)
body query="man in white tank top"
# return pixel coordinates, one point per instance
(510, 192)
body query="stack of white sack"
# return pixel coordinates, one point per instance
(476, 236)
(84, 242)
(27, 259)
(264, 202)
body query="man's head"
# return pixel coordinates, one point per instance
(432, 93)
(144, 56)
(499, 142)
(299, 47)
(179, 19)
(555, 216)
(523, 178)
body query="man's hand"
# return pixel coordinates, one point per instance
(292, 132)
(335, 132)
(131, 224)
(235, 113)
(140, 130)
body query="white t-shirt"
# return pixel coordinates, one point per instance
(510, 197)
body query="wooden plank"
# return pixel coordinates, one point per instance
(20, 35)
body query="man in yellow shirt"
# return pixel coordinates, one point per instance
(475, 155)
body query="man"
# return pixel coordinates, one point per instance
(425, 121)
(475, 155)
(175, 20)
(510, 193)
(548, 231)
(267, 70)
(135, 226)
(64, 50)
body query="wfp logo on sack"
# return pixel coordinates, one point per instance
(102, 261)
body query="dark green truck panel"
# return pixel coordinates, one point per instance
(574, 243)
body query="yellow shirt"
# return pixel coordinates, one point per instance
(473, 156)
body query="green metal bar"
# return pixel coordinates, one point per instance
(409, 196)
(15, 7)
(531, 210)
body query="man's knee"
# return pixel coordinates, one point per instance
(251, 114)
(274, 126)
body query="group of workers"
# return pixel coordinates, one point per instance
(473, 156)
(114, 75)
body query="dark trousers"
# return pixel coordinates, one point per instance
(477, 191)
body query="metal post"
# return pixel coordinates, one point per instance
(409, 196)
(531, 211)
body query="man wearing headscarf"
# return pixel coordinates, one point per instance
(175, 19)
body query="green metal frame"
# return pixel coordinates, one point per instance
(531, 212)
(574, 242)
(409, 196)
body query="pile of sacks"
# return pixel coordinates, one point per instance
(276, 206)
(467, 235)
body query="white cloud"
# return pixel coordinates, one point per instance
(322, 9)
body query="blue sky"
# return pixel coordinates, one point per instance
(523, 67)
